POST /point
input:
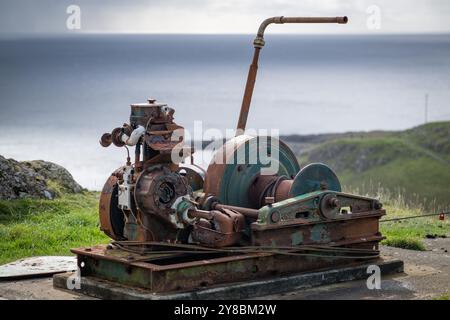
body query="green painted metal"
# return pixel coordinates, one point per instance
(313, 177)
(319, 233)
(304, 220)
(170, 277)
(305, 206)
(297, 238)
(240, 174)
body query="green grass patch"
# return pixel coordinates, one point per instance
(405, 243)
(32, 227)
(434, 136)
(442, 297)
(409, 234)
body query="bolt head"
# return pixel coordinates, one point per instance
(275, 217)
(334, 203)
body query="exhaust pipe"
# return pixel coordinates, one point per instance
(259, 43)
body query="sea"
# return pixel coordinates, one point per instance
(58, 95)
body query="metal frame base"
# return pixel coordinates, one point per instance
(104, 289)
(174, 272)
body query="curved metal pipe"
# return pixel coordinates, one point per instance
(134, 137)
(283, 20)
(258, 43)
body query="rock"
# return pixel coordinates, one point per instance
(48, 195)
(34, 179)
(54, 172)
(23, 195)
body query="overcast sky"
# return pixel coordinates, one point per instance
(221, 16)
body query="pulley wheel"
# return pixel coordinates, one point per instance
(112, 219)
(239, 162)
(314, 177)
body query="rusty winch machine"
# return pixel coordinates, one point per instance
(175, 226)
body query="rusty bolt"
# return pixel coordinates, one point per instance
(334, 203)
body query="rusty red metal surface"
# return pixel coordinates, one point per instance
(107, 209)
(168, 272)
(225, 228)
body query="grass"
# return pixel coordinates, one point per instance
(433, 136)
(444, 296)
(407, 234)
(32, 227)
(405, 243)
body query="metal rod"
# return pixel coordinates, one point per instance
(196, 213)
(137, 155)
(415, 217)
(250, 213)
(316, 251)
(258, 43)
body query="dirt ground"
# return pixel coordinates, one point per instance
(426, 276)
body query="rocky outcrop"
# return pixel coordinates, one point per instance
(34, 179)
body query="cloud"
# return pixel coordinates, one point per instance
(219, 16)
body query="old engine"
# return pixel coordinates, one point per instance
(254, 212)
(235, 202)
(157, 198)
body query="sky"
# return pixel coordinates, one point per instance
(35, 17)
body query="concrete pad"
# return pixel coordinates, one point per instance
(36, 289)
(37, 267)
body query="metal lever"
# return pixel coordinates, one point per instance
(258, 43)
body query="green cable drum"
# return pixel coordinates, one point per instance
(314, 177)
(240, 160)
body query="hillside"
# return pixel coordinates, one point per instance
(414, 163)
